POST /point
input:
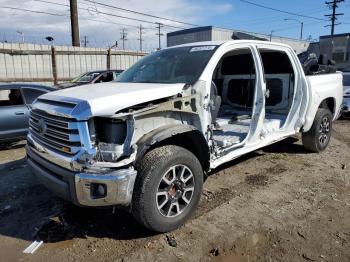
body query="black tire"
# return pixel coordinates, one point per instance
(312, 139)
(151, 170)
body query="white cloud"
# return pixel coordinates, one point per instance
(102, 29)
(222, 8)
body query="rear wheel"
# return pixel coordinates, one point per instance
(318, 137)
(167, 189)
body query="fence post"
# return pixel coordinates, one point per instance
(54, 65)
(109, 59)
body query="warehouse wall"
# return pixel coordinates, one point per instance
(219, 34)
(33, 63)
(189, 37)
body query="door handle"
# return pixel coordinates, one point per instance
(19, 113)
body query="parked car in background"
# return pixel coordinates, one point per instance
(15, 103)
(346, 101)
(93, 77)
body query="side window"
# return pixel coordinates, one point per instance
(109, 77)
(105, 77)
(280, 78)
(235, 77)
(10, 97)
(31, 94)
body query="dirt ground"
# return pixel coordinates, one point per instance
(277, 204)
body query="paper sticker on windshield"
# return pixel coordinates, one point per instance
(202, 48)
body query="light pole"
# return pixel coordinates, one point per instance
(272, 31)
(301, 25)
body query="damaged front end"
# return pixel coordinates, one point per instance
(90, 160)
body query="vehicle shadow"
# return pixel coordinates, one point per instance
(30, 212)
(286, 146)
(77, 222)
(14, 145)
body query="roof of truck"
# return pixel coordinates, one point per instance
(219, 43)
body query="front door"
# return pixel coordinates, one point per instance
(238, 83)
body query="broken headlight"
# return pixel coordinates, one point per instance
(110, 137)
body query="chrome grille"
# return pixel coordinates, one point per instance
(55, 132)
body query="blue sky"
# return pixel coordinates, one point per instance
(252, 18)
(102, 30)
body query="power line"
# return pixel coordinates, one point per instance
(84, 9)
(334, 16)
(32, 11)
(282, 11)
(110, 14)
(139, 13)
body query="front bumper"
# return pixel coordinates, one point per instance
(80, 187)
(346, 105)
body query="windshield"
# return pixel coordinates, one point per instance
(86, 77)
(346, 80)
(174, 65)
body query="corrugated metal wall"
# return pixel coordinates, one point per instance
(204, 35)
(221, 34)
(33, 63)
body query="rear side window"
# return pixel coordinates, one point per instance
(276, 62)
(31, 94)
(10, 97)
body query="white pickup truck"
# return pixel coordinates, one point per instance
(146, 141)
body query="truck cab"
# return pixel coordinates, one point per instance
(146, 141)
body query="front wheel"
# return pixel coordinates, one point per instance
(318, 137)
(167, 189)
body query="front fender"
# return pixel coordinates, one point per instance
(160, 134)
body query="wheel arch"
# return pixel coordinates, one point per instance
(327, 103)
(185, 136)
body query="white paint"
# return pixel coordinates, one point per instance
(108, 98)
(33, 247)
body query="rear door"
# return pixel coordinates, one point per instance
(286, 90)
(13, 115)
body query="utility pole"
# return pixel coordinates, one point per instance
(85, 41)
(333, 17)
(159, 34)
(74, 20)
(123, 37)
(140, 37)
(22, 35)
(301, 25)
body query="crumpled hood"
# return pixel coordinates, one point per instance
(108, 98)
